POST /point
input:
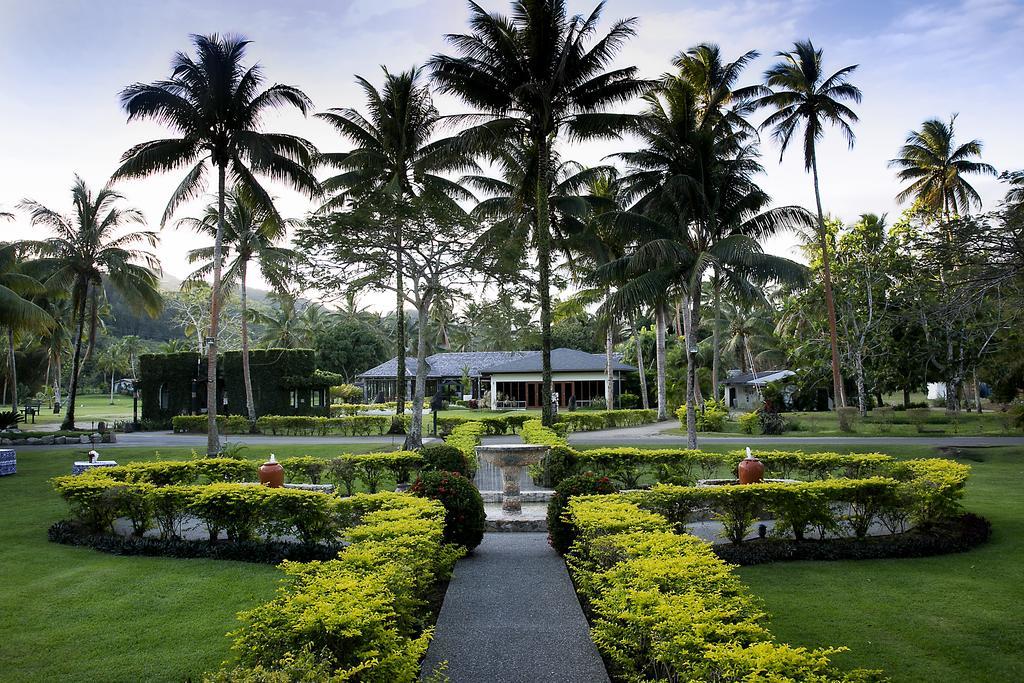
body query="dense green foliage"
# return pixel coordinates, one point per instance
(464, 515)
(444, 457)
(663, 606)
(561, 533)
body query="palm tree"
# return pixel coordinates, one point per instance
(803, 96)
(393, 157)
(17, 311)
(936, 168)
(696, 208)
(175, 346)
(214, 102)
(112, 360)
(280, 325)
(535, 76)
(88, 248)
(251, 232)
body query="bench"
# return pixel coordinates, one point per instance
(31, 409)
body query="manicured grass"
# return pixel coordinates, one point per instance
(990, 423)
(75, 614)
(89, 410)
(954, 617)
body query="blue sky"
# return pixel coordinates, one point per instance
(63, 63)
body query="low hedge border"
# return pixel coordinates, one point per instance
(265, 552)
(957, 535)
(662, 606)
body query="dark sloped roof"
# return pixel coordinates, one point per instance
(758, 377)
(447, 364)
(497, 362)
(562, 360)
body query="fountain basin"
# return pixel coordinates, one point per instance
(511, 459)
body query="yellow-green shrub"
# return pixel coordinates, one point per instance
(363, 614)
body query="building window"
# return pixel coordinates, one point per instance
(314, 398)
(293, 398)
(165, 397)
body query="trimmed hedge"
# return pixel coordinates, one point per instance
(196, 424)
(464, 516)
(466, 438)
(362, 616)
(662, 606)
(561, 534)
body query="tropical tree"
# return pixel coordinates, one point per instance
(281, 327)
(936, 169)
(112, 360)
(95, 243)
(802, 96)
(17, 311)
(216, 106)
(250, 236)
(395, 159)
(538, 75)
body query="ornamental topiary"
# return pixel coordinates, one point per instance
(560, 533)
(464, 515)
(442, 457)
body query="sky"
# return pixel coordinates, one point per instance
(63, 63)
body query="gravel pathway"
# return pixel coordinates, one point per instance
(511, 616)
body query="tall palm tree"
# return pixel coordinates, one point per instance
(537, 75)
(96, 243)
(250, 236)
(393, 156)
(111, 361)
(215, 103)
(802, 96)
(17, 311)
(936, 169)
(280, 325)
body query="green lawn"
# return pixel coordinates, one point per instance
(954, 617)
(89, 410)
(75, 614)
(990, 423)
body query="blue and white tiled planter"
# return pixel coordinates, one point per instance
(8, 462)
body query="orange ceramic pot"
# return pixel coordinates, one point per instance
(272, 474)
(751, 471)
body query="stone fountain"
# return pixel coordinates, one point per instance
(511, 459)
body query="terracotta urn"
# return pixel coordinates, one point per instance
(750, 470)
(271, 473)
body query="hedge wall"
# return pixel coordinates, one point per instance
(268, 368)
(176, 370)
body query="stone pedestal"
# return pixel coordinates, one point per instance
(511, 459)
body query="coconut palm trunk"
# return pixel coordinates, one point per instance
(691, 376)
(212, 437)
(645, 401)
(830, 305)
(13, 365)
(400, 323)
(609, 349)
(544, 272)
(76, 359)
(250, 402)
(659, 350)
(716, 350)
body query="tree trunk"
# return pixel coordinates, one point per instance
(837, 380)
(212, 437)
(111, 387)
(716, 352)
(76, 359)
(544, 272)
(977, 391)
(12, 363)
(906, 397)
(609, 349)
(56, 381)
(691, 377)
(400, 322)
(951, 402)
(645, 401)
(250, 402)
(862, 403)
(659, 350)
(414, 439)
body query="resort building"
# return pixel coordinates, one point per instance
(744, 389)
(500, 379)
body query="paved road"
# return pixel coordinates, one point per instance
(651, 435)
(170, 439)
(511, 616)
